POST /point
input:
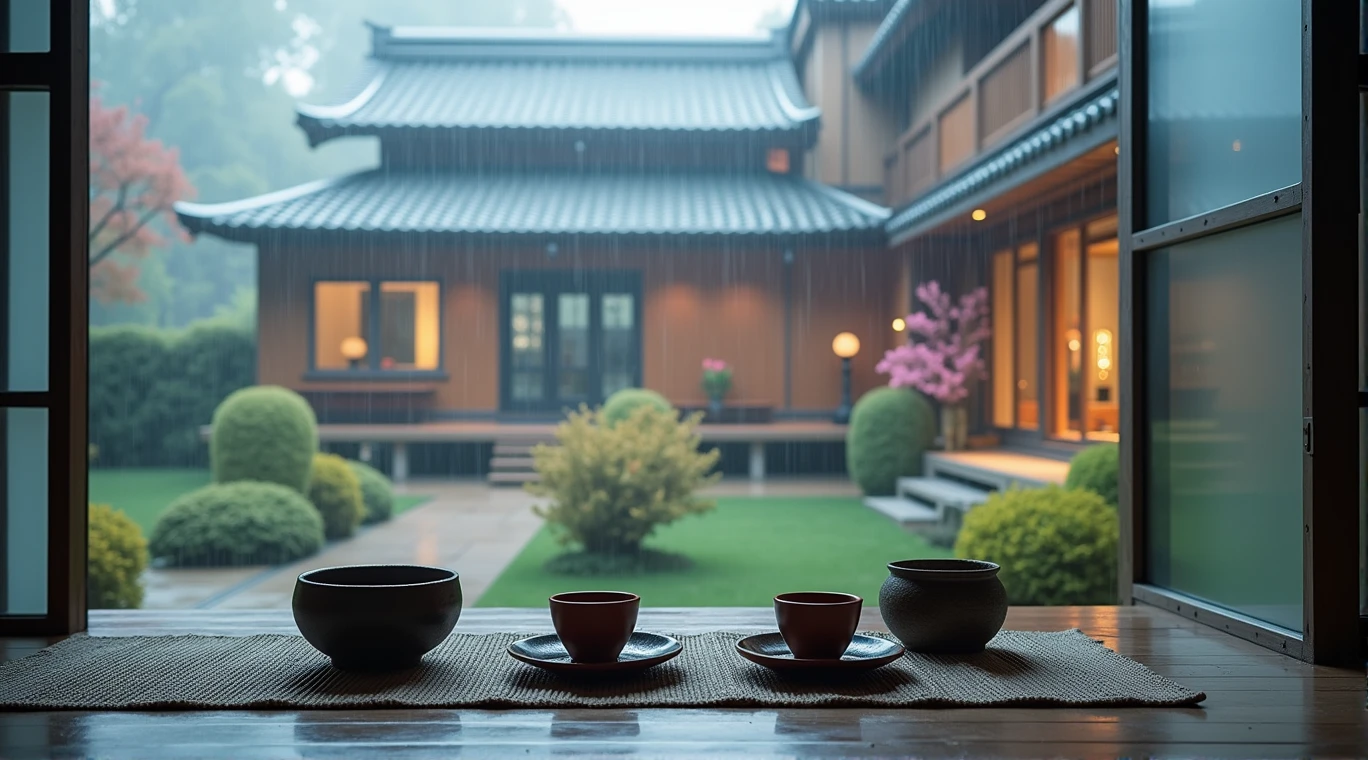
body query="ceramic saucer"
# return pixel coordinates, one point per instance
(642, 651)
(864, 653)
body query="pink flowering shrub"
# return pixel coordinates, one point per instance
(717, 378)
(945, 354)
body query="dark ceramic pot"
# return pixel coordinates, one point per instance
(377, 617)
(943, 606)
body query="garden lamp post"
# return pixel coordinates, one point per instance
(845, 345)
(353, 350)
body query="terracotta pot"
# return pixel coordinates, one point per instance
(943, 605)
(594, 626)
(817, 625)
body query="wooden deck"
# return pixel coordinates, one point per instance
(1259, 704)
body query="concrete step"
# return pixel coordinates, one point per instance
(512, 479)
(941, 493)
(511, 464)
(903, 511)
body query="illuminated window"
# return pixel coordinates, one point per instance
(778, 161)
(1060, 43)
(377, 326)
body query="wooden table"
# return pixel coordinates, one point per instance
(1258, 704)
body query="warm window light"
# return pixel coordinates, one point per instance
(1075, 341)
(1103, 339)
(778, 161)
(1117, 150)
(899, 324)
(845, 345)
(979, 215)
(353, 348)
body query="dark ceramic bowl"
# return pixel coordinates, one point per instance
(817, 625)
(943, 605)
(377, 617)
(594, 626)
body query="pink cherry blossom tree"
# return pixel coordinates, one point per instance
(135, 182)
(945, 355)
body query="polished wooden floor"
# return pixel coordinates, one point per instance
(1259, 704)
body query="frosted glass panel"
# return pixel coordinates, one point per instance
(26, 206)
(1225, 447)
(30, 26)
(23, 473)
(1224, 103)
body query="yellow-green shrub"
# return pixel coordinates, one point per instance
(1098, 469)
(335, 492)
(117, 556)
(611, 486)
(264, 433)
(377, 492)
(242, 523)
(1055, 546)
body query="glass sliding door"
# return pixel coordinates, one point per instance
(43, 277)
(569, 338)
(1240, 459)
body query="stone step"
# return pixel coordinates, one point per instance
(902, 510)
(511, 464)
(514, 479)
(941, 493)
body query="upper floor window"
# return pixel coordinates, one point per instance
(1060, 42)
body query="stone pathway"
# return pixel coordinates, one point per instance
(466, 525)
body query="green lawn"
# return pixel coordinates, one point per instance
(143, 492)
(744, 553)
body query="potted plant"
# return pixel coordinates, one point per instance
(944, 355)
(717, 380)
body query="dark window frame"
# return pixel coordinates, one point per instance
(63, 72)
(373, 370)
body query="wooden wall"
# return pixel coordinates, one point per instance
(696, 304)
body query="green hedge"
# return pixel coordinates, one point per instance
(376, 491)
(117, 556)
(335, 491)
(621, 404)
(1055, 546)
(890, 429)
(241, 523)
(266, 433)
(1097, 469)
(151, 390)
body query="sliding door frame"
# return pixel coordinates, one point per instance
(1330, 477)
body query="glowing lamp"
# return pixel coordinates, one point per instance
(978, 215)
(353, 350)
(845, 345)
(899, 324)
(1103, 339)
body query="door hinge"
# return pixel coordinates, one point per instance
(1306, 435)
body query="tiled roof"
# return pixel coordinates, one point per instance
(1094, 118)
(883, 35)
(435, 78)
(567, 203)
(848, 9)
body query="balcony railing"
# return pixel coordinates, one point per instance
(1061, 47)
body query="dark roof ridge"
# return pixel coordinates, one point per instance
(524, 44)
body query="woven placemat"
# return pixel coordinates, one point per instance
(1064, 668)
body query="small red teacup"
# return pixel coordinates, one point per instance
(594, 625)
(817, 625)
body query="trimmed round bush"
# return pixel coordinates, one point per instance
(1055, 546)
(117, 555)
(377, 493)
(890, 429)
(620, 405)
(1097, 469)
(264, 433)
(242, 523)
(335, 492)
